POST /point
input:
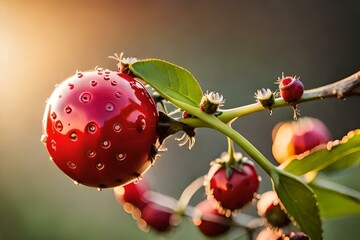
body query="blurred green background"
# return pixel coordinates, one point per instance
(234, 47)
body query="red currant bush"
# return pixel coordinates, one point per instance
(232, 186)
(99, 128)
(296, 137)
(208, 219)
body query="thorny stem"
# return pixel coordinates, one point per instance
(341, 89)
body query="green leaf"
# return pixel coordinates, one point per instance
(300, 203)
(174, 83)
(335, 200)
(343, 154)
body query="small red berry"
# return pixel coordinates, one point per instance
(208, 219)
(156, 217)
(291, 89)
(132, 193)
(234, 190)
(99, 128)
(296, 137)
(270, 207)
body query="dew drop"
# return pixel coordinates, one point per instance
(105, 144)
(43, 138)
(93, 83)
(114, 83)
(99, 189)
(92, 127)
(100, 71)
(71, 86)
(59, 126)
(107, 71)
(106, 77)
(53, 145)
(53, 115)
(73, 136)
(142, 125)
(91, 153)
(118, 95)
(68, 109)
(79, 74)
(100, 166)
(121, 156)
(109, 107)
(117, 127)
(71, 165)
(85, 97)
(76, 183)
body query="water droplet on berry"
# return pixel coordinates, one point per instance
(117, 127)
(71, 165)
(68, 109)
(109, 107)
(59, 126)
(53, 145)
(142, 125)
(73, 136)
(105, 144)
(71, 86)
(121, 156)
(114, 83)
(79, 74)
(118, 95)
(92, 127)
(100, 166)
(100, 71)
(53, 115)
(85, 97)
(43, 138)
(106, 77)
(93, 83)
(76, 183)
(107, 71)
(99, 189)
(91, 153)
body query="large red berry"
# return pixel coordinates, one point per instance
(235, 188)
(99, 128)
(291, 89)
(208, 219)
(296, 137)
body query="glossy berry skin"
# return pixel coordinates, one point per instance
(156, 217)
(296, 137)
(99, 128)
(208, 219)
(291, 89)
(132, 193)
(236, 190)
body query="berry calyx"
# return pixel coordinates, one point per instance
(270, 207)
(296, 137)
(208, 219)
(232, 186)
(266, 98)
(99, 128)
(211, 102)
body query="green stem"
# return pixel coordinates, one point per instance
(187, 194)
